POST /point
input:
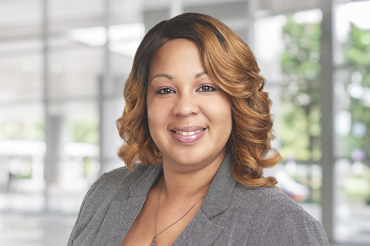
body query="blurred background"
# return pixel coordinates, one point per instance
(63, 64)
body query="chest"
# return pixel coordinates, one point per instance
(164, 225)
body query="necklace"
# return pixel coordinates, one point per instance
(153, 243)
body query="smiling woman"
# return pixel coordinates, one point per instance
(189, 117)
(229, 64)
(197, 130)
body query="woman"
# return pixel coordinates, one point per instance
(197, 131)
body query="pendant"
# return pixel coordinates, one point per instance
(153, 243)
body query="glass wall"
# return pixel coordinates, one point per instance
(21, 115)
(288, 50)
(288, 47)
(73, 74)
(352, 122)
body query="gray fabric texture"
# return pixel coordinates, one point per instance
(231, 214)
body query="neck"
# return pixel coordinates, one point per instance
(186, 185)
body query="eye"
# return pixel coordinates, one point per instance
(164, 91)
(206, 88)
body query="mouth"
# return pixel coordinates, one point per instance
(183, 133)
(188, 134)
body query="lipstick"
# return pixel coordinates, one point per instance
(188, 134)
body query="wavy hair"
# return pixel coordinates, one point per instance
(232, 66)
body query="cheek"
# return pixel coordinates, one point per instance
(152, 117)
(156, 116)
(226, 119)
(219, 114)
(150, 111)
(226, 124)
(153, 124)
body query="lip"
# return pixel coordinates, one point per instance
(188, 134)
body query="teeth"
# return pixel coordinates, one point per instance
(188, 133)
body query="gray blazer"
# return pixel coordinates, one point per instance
(231, 214)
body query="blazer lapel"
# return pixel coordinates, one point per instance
(113, 230)
(219, 194)
(202, 230)
(123, 211)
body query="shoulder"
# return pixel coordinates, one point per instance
(107, 186)
(280, 220)
(114, 179)
(267, 199)
(110, 186)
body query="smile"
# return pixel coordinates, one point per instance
(189, 135)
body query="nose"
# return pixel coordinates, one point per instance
(186, 105)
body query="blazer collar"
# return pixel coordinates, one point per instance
(143, 184)
(216, 202)
(123, 210)
(202, 230)
(219, 194)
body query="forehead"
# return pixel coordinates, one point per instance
(174, 52)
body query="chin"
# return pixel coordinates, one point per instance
(193, 160)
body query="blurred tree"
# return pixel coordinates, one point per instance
(356, 52)
(85, 131)
(300, 126)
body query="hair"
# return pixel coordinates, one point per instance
(232, 66)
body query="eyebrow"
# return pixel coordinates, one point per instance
(167, 76)
(161, 75)
(200, 74)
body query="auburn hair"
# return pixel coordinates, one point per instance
(232, 66)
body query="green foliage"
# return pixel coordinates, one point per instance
(356, 52)
(85, 131)
(357, 187)
(300, 126)
(357, 47)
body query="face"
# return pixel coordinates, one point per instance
(189, 117)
